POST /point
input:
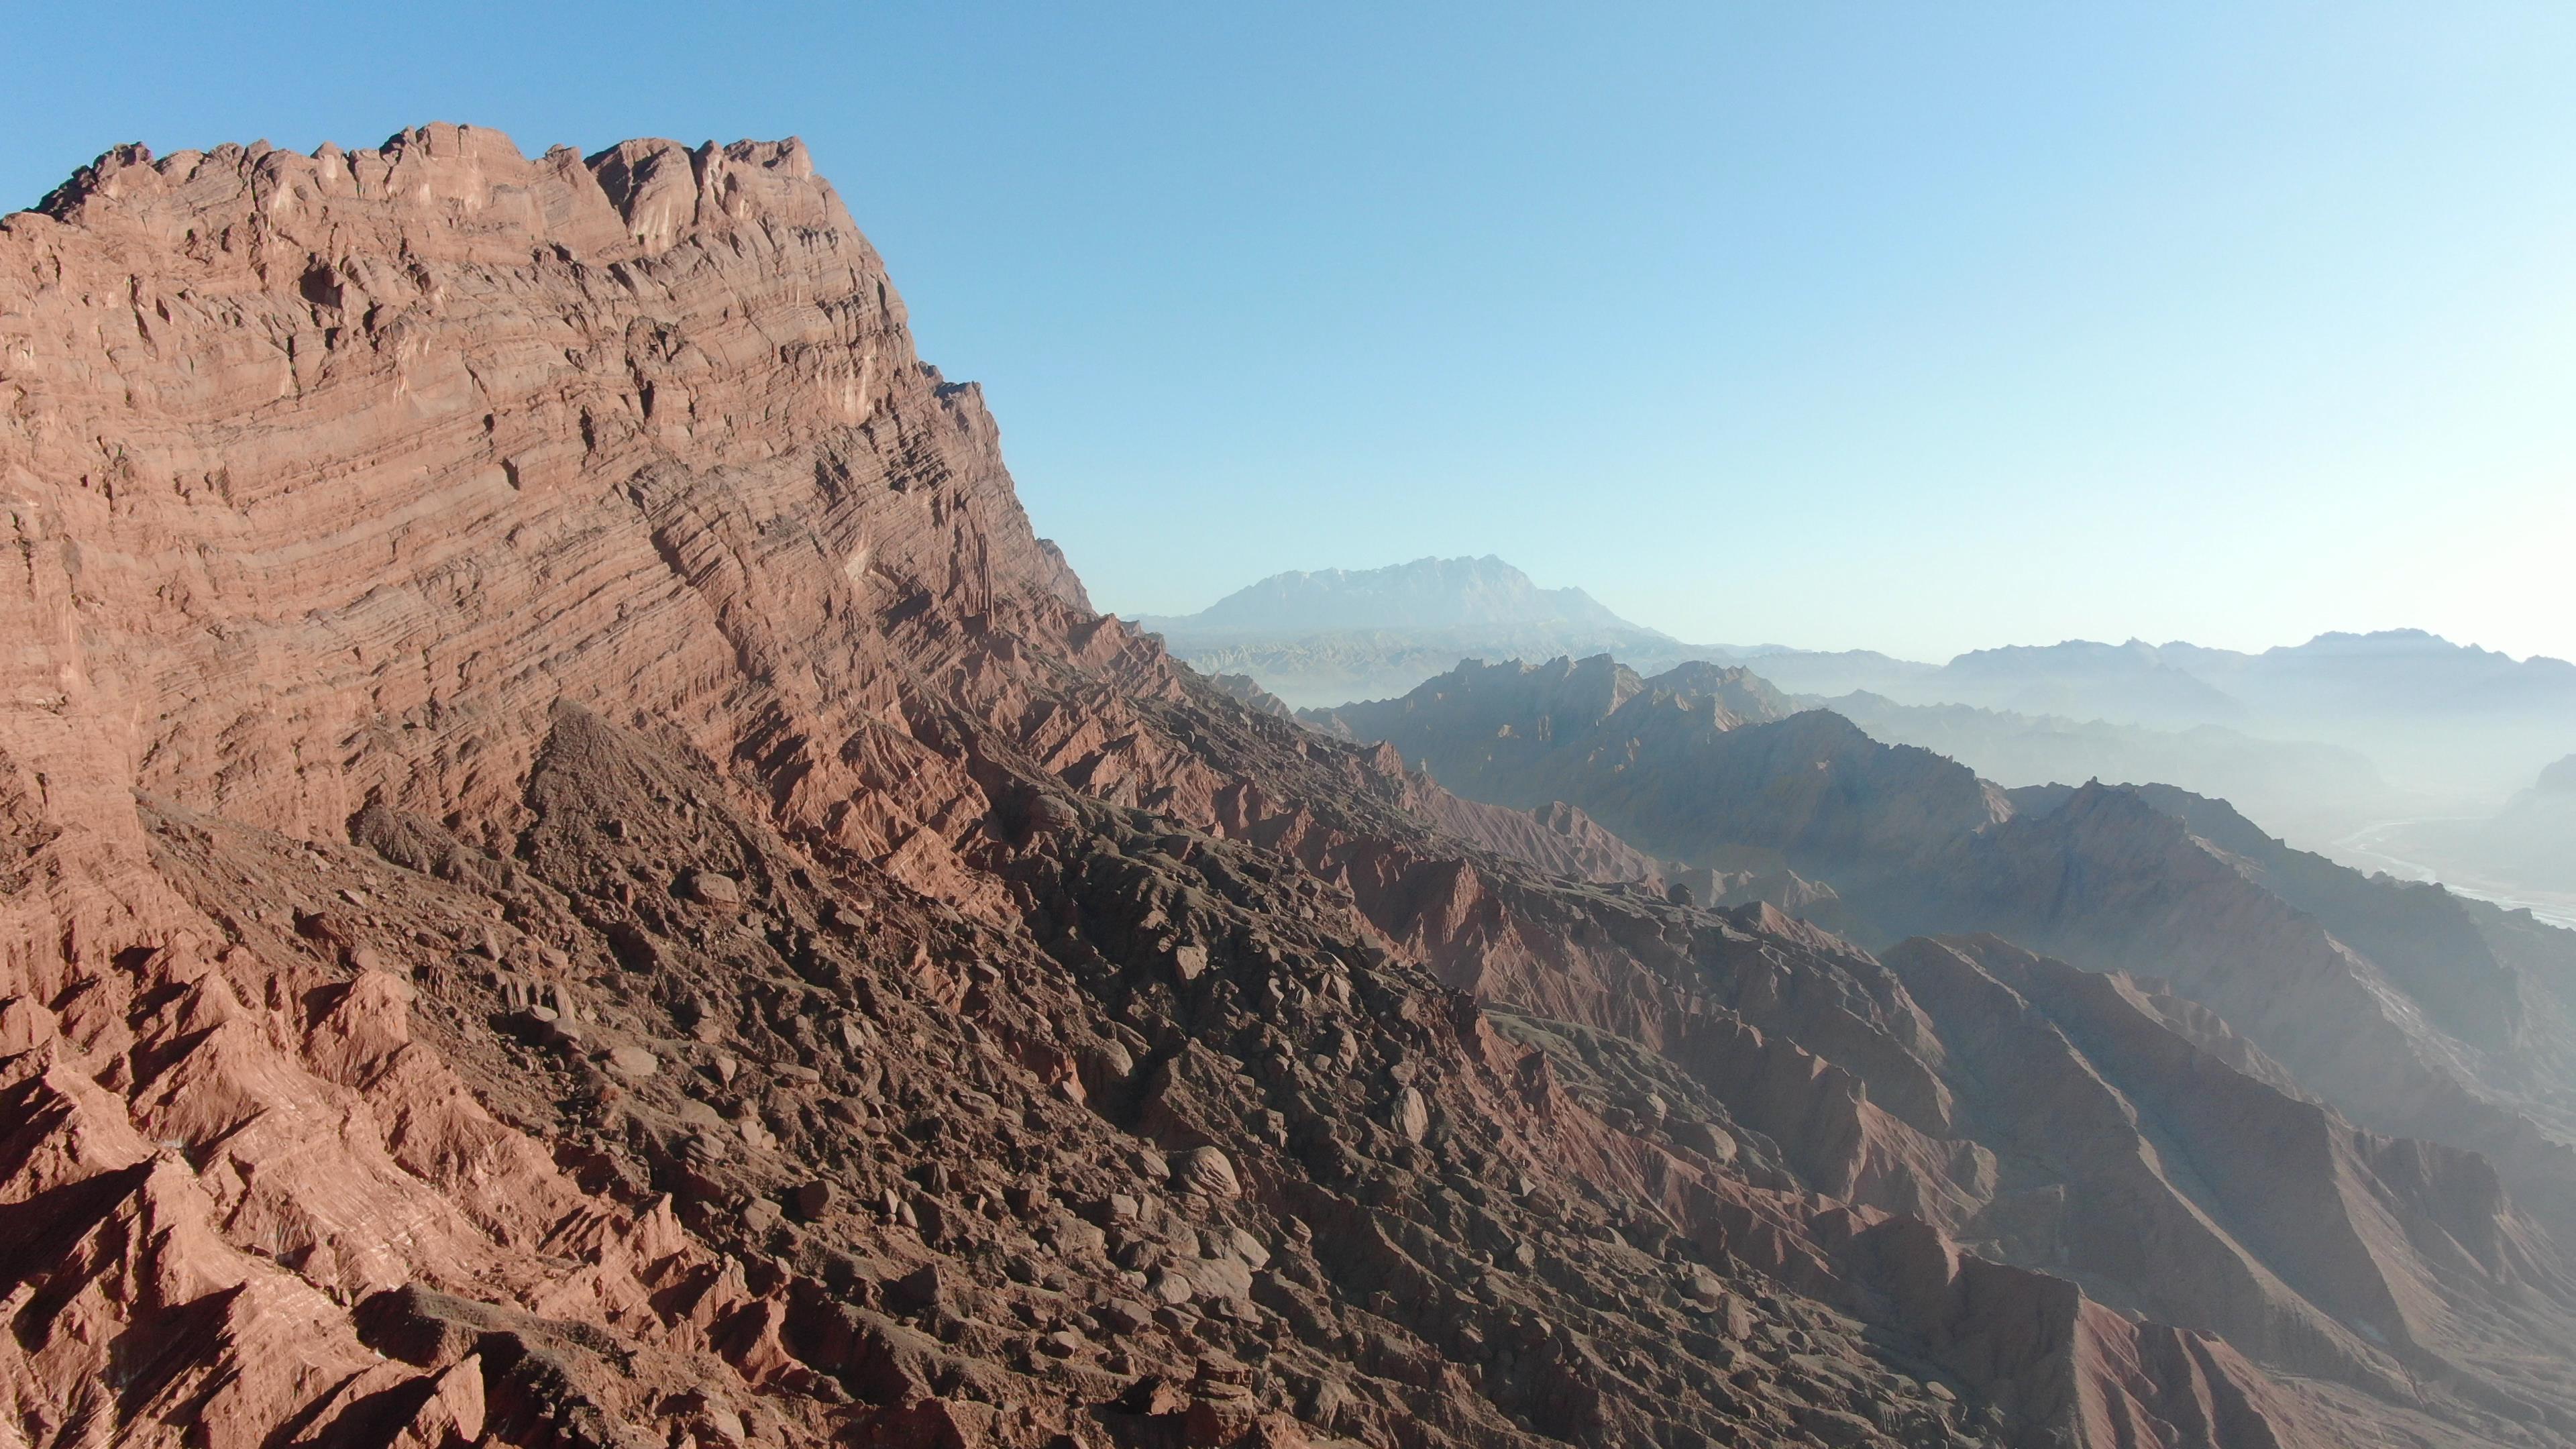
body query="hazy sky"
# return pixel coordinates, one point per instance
(1911, 326)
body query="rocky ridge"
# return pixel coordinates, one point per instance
(573, 873)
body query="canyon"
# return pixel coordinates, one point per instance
(574, 872)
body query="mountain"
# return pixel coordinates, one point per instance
(2394, 671)
(1428, 593)
(2439, 716)
(2123, 683)
(574, 873)
(2205, 1179)
(2389, 999)
(1698, 765)
(2326, 738)
(2369, 728)
(1336, 634)
(1704, 764)
(2384, 999)
(1834, 672)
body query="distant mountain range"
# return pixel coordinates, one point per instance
(2319, 739)
(2432, 715)
(2302, 788)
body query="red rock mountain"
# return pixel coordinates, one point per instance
(573, 873)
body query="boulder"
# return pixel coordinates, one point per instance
(1247, 1248)
(1206, 1170)
(919, 1291)
(1705, 1138)
(633, 1062)
(713, 889)
(1410, 1115)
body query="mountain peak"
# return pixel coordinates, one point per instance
(2378, 641)
(1427, 593)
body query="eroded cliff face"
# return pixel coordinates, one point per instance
(571, 872)
(331, 475)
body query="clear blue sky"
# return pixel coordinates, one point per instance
(1911, 326)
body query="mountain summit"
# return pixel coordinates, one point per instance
(1332, 635)
(1428, 593)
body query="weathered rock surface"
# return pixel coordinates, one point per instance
(436, 569)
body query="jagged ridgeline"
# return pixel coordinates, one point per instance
(573, 873)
